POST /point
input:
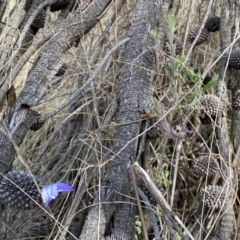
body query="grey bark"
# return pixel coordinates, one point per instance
(226, 227)
(12, 133)
(134, 92)
(76, 25)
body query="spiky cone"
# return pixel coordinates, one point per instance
(177, 44)
(232, 60)
(210, 108)
(61, 70)
(213, 24)
(114, 237)
(236, 100)
(193, 33)
(15, 189)
(205, 166)
(59, 5)
(213, 196)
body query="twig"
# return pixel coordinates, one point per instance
(178, 148)
(145, 234)
(151, 214)
(159, 198)
(90, 79)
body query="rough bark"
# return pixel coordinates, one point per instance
(226, 227)
(134, 93)
(12, 133)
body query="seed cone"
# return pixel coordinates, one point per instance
(213, 24)
(236, 100)
(59, 5)
(15, 189)
(211, 107)
(205, 166)
(193, 33)
(213, 196)
(234, 59)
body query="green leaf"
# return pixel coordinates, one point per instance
(178, 236)
(193, 98)
(211, 83)
(170, 25)
(153, 33)
(172, 91)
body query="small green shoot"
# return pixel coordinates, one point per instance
(170, 26)
(153, 33)
(211, 83)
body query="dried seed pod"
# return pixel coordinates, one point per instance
(177, 44)
(16, 188)
(213, 196)
(193, 33)
(211, 107)
(213, 24)
(205, 166)
(236, 100)
(233, 60)
(61, 70)
(59, 5)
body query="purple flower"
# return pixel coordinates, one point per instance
(51, 191)
(171, 133)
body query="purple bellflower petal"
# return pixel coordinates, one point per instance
(63, 187)
(171, 133)
(51, 191)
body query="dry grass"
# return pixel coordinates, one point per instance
(67, 147)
